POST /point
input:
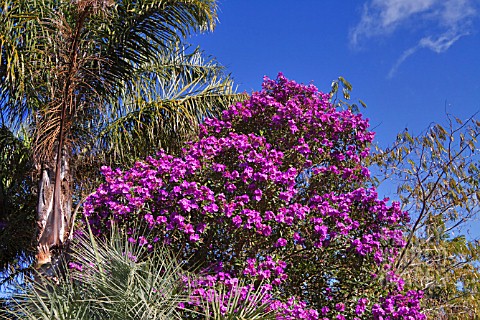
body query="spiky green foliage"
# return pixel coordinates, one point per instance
(117, 281)
(254, 307)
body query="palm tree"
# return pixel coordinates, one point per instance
(101, 81)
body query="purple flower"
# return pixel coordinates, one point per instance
(75, 266)
(340, 307)
(142, 240)
(237, 221)
(282, 167)
(194, 237)
(257, 194)
(281, 242)
(361, 306)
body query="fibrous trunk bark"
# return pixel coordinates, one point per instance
(54, 207)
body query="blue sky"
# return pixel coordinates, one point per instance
(411, 61)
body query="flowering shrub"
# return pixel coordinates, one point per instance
(275, 193)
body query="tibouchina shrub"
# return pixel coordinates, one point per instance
(274, 193)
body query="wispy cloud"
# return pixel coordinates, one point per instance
(407, 53)
(450, 20)
(439, 44)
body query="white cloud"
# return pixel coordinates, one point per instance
(407, 53)
(438, 45)
(451, 20)
(442, 42)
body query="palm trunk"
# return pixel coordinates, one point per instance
(55, 187)
(54, 207)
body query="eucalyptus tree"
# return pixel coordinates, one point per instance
(437, 175)
(100, 80)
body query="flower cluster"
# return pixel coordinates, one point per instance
(399, 306)
(205, 289)
(276, 191)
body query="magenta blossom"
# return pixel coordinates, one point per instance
(274, 193)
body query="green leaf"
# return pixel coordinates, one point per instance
(345, 83)
(362, 103)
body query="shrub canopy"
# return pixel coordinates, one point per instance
(275, 194)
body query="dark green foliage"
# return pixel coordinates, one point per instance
(17, 201)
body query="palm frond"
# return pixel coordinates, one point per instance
(138, 30)
(164, 104)
(19, 58)
(60, 61)
(17, 229)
